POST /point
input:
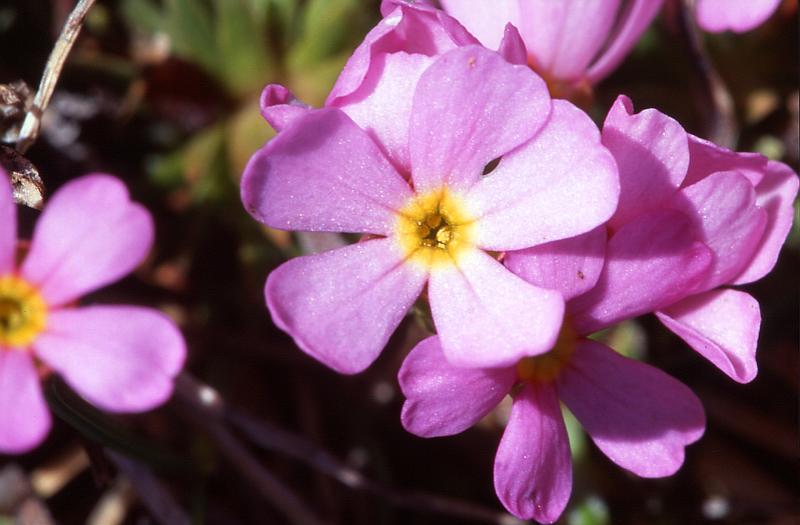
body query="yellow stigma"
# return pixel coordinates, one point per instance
(546, 367)
(434, 228)
(23, 312)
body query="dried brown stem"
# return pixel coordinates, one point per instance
(193, 398)
(716, 102)
(270, 437)
(52, 71)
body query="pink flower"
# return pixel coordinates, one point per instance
(435, 222)
(638, 416)
(734, 15)
(739, 205)
(572, 43)
(120, 358)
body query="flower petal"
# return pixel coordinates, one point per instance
(722, 326)
(89, 235)
(24, 419)
(534, 194)
(564, 37)
(460, 122)
(634, 20)
(279, 106)
(775, 195)
(342, 306)
(723, 209)
(640, 417)
(441, 399)
(652, 154)
(488, 317)
(650, 263)
(716, 16)
(120, 358)
(323, 173)
(570, 266)
(376, 84)
(385, 111)
(512, 48)
(706, 158)
(532, 468)
(8, 225)
(486, 20)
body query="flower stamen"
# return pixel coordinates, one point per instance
(23, 312)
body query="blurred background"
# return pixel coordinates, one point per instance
(164, 94)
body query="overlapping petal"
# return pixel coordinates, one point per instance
(342, 306)
(532, 468)
(323, 173)
(722, 326)
(706, 158)
(8, 224)
(775, 195)
(723, 209)
(533, 194)
(120, 358)
(89, 235)
(571, 266)
(650, 263)
(485, 20)
(734, 15)
(442, 399)
(279, 106)
(385, 114)
(564, 37)
(488, 317)
(634, 20)
(640, 417)
(652, 154)
(24, 419)
(460, 121)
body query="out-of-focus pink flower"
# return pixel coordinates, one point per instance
(572, 43)
(738, 204)
(734, 15)
(638, 416)
(120, 358)
(431, 215)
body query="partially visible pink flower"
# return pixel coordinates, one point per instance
(432, 218)
(716, 16)
(120, 358)
(739, 204)
(572, 43)
(638, 416)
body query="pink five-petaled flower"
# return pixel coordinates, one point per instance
(572, 43)
(638, 416)
(120, 358)
(437, 223)
(739, 205)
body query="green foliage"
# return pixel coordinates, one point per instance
(591, 511)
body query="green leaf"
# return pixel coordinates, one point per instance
(241, 42)
(190, 26)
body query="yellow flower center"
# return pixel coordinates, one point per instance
(434, 228)
(23, 312)
(546, 367)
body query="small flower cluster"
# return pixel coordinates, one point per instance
(524, 226)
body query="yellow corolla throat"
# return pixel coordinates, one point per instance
(546, 367)
(434, 228)
(23, 312)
